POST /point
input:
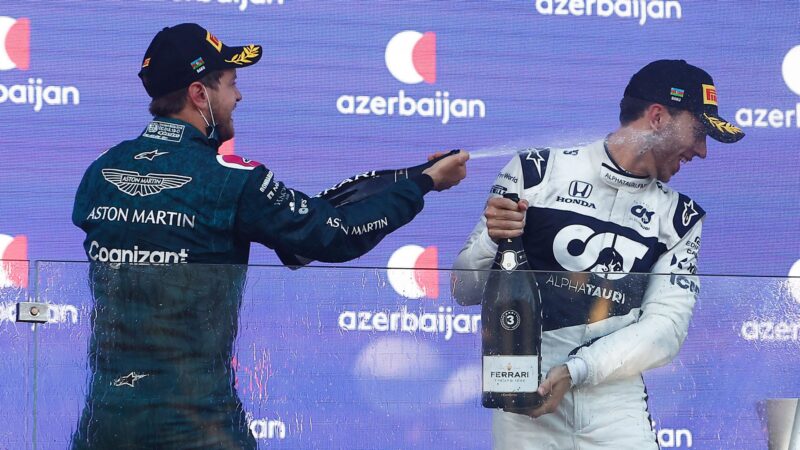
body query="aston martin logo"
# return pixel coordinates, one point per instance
(133, 183)
(128, 380)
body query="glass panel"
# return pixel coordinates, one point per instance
(16, 365)
(333, 357)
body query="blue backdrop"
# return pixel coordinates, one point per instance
(515, 74)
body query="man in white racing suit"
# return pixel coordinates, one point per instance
(604, 209)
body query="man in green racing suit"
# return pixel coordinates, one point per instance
(163, 331)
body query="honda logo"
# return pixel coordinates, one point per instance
(580, 189)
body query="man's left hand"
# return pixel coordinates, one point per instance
(553, 388)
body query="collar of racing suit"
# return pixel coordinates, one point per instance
(181, 132)
(614, 175)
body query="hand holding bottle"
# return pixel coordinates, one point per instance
(449, 170)
(505, 218)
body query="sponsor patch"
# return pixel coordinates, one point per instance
(499, 190)
(129, 379)
(709, 95)
(151, 155)
(687, 264)
(685, 282)
(508, 177)
(579, 248)
(164, 131)
(267, 179)
(644, 215)
(133, 183)
(687, 214)
(580, 189)
(211, 39)
(136, 255)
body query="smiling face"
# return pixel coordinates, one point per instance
(223, 101)
(678, 141)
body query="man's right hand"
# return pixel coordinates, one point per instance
(505, 218)
(448, 171)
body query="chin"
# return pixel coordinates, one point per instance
(225, 134)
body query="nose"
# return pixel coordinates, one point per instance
(700, 149)
(238, 95)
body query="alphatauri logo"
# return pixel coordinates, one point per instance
(412, 271)
(579, 248)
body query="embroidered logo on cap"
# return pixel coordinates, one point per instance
(246, 56)
(709, 95)
(676, 94)
(216, 43)
(199, 65)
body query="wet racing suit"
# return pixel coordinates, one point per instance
(586, 214)
(163, 331)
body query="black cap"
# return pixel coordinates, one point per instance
(678, 84)
(181, 55)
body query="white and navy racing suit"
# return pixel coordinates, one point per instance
(587, 214)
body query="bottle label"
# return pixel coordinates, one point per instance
(510, 320)
(510, 373)
(508, 260)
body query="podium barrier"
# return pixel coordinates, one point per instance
(347, 357)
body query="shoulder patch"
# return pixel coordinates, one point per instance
(687, 214)
(237, 162)
(164, 131)
(534, 164)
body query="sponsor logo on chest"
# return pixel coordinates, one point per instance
(577, 194)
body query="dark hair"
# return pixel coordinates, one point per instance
(172, 103)
(631, 109)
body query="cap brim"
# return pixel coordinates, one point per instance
(720, 129)
(235, 57)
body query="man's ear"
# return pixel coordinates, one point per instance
(197, 95)
(657, 116)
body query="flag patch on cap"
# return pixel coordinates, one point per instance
(146, 63)
(709, 95)
(676, 94)
(199, 65)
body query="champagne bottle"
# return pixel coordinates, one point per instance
(357, 188)
(511, 317)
